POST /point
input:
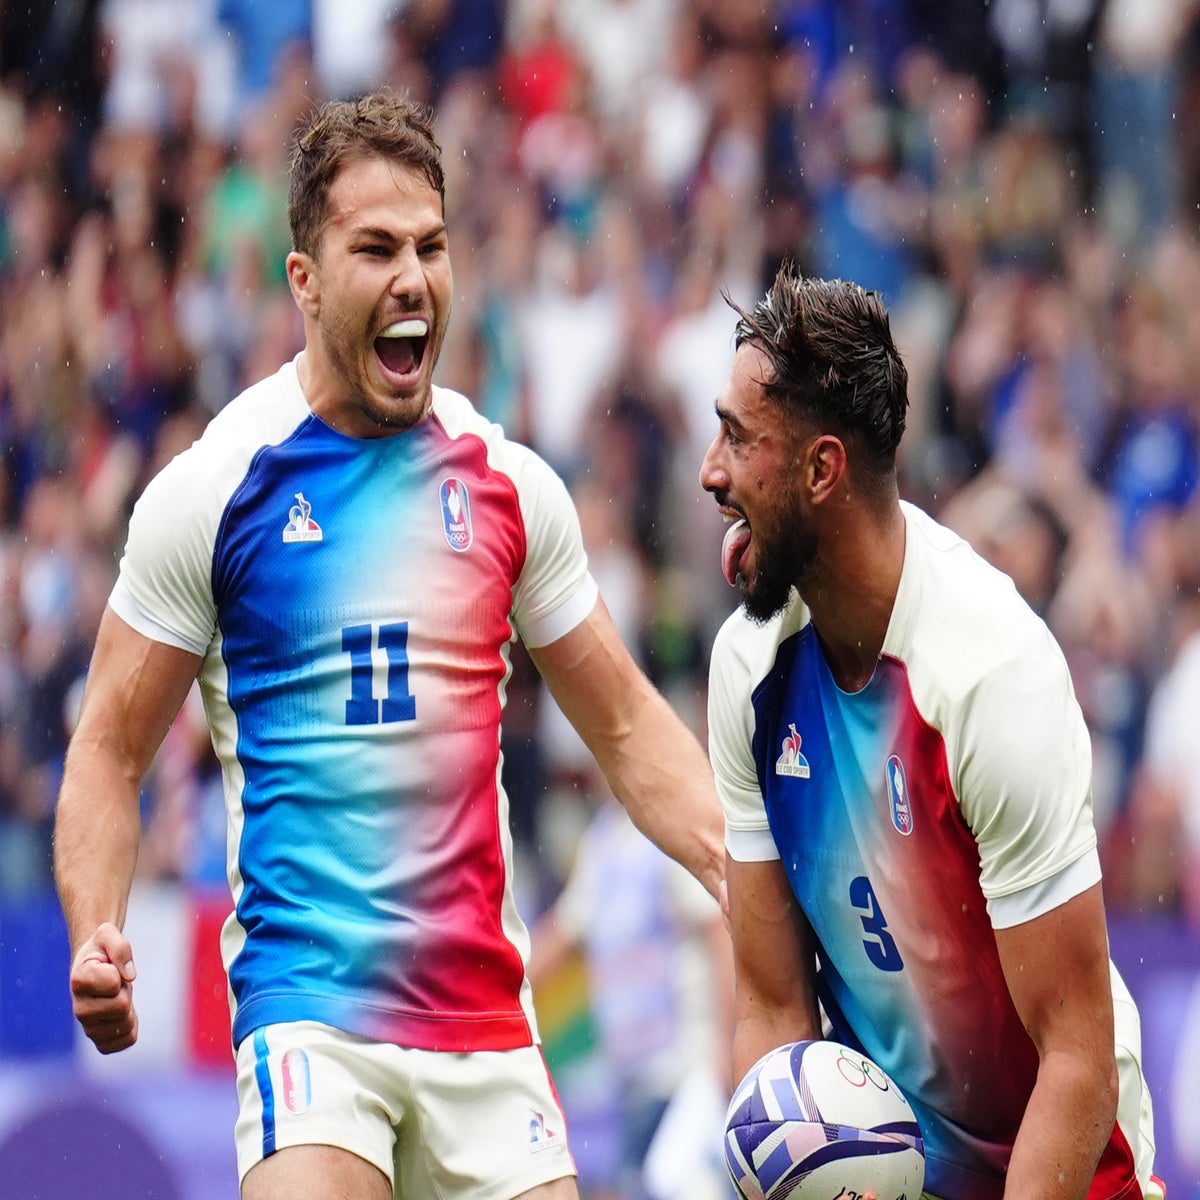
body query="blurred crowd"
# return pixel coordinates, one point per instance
(1019, 179)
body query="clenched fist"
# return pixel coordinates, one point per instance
(102, 976)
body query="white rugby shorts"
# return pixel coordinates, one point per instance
(484, 1124)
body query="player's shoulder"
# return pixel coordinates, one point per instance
(459, 418)
(748, 648)
(956, 579)
(963, 618)
(266, 413)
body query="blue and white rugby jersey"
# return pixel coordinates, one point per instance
(949, 796)
(354, 602)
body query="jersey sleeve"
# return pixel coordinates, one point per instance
(555, 590)
(1024, 784)
(730, 748)
(164, 589)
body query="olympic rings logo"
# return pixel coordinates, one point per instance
(858, 1072)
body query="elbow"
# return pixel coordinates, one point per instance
(1097, 1088)
(1083, 1080)
(1110, 1091)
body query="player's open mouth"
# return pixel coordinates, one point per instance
(733, 548)
(401, 346)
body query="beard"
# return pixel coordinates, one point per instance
(787, 550)
(390, 413)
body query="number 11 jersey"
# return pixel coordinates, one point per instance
(354, 602)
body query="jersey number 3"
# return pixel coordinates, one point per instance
(880, 946)
(399, 704)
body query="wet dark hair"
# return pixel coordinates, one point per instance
(832, 360)
(381, 124)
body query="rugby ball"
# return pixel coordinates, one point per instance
(816, 1120)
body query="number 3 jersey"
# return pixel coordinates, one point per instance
(949, 796)
(354, 602)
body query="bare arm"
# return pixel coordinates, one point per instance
(720, 952)
(775, 999)
(134, 691)
(1057, 970)
(653, 762)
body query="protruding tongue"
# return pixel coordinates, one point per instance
(734, 546)
(396, 353)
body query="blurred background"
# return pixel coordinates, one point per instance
(1021, 181)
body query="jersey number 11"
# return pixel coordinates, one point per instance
(359, 641)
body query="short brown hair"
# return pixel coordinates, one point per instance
(381, 124)
(832, 359)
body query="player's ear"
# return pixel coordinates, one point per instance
(304, 280)
(826, 466)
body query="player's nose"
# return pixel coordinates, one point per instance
(713, 476)
(408, 279)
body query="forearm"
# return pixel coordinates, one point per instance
(775, 994)
(135, 688)
(96, 835)
(1066, 1126)
(758, 1032)
(771, 1010)
(1059, 975)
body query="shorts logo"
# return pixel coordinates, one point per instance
(297, 1082)
(540, 1137)
(791, 761)
(301, 527)
(456, 515)
(897, 785)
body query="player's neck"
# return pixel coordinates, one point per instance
(312, 372)
(852, 593)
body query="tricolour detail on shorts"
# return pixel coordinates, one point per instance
(262, 1072)
(541, 1137)
(297, 1081)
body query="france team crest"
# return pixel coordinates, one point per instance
(897, 785)
(456, 514)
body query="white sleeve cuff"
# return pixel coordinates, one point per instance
(123, 602)
(1018, 907)
(750, 845)
(564, 618)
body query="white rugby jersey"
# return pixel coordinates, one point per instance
(354, 601)
(949, 796)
